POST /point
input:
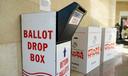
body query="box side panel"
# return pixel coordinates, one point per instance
(38, 44)
(109, 43)
(63, 59)
(78, 51)
(94, 45)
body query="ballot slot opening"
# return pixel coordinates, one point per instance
(68, 20)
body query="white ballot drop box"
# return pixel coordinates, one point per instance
(41, 55)
(46, 41)
(86, 44)
(108, 44)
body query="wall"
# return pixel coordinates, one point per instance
(10, 48)
(100, 13)
(120, 6)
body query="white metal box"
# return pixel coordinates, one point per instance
(86, 44)
(108, 44)
(42, 56)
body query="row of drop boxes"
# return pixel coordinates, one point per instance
(46, 43)
(91, 47)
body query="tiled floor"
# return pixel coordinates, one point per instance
(117, 66)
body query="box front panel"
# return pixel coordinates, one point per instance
(93, 50)
(63, 59)
(78, 52)
(109, 43)
(38, 44)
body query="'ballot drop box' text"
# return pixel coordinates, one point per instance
(108, 44)
(42, 56)
(86, 44)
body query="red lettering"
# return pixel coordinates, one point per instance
(93, 51)
(109, 46)
(39, 37)
(37, 58)
(63, 63)
(30, 34)
(78, 54)
(37, 46)
(29, 45)
(97, 50)
(34, 35)
(90, 53)
(42, 59)
(45, 46)
(25, 34)
(34, 45)
(50, 33)
(31, 57)
(44, 34)
(64, 71)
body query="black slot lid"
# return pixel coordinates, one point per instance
(65, 25)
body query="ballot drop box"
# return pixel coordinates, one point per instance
(41, 55)
(86, 44)
(46, 41)
(108, 44)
